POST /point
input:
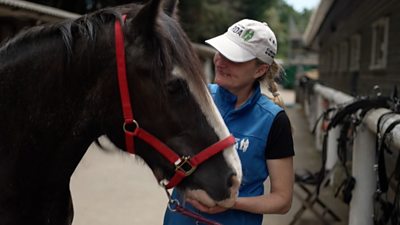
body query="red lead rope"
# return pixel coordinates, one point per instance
(197, 217)
(175, 206)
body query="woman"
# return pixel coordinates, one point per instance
(244, 68)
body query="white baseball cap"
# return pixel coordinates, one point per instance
(247, 40)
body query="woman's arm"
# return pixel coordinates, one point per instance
(279, 200)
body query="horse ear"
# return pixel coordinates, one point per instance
(171, 7)
(145, 20)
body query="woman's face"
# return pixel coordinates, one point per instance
(234, 76)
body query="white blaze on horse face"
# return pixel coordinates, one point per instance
(209, 109)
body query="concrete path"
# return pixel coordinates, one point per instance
(113, 188)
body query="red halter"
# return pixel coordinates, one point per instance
(185, 165)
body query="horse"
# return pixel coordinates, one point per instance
(60, 90)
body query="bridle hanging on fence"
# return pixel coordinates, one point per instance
(385, 209)
(386, 200)
(391, 210)
(348, 115)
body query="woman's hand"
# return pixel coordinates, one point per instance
(278, 201)
(206, 209)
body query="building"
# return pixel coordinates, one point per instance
(358, 44)
(299, 60)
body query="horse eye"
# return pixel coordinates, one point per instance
(176, 86)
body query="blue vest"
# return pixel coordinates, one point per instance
(250, 124)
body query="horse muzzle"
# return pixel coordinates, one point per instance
(204, 198)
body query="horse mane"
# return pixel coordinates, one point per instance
(84, 27)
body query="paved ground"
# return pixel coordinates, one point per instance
(111, 188)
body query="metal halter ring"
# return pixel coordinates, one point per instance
(124, 127)
(173, 204)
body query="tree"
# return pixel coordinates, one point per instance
(254, 9)
(279, 22)
(202, 19)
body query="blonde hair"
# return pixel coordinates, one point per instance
(267, 82)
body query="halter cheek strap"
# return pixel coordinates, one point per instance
(123, 82)
(185, 165)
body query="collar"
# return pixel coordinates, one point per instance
(226, 100)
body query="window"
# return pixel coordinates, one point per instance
(355, 52)
(380, 33)
(343, 56)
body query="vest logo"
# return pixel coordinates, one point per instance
(242, 144)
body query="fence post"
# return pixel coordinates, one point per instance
(312, 110)
(361, 205)
(317, 112)
(331, 154)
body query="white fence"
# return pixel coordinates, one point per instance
(363, 166)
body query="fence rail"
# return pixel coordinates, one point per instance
(315, 99)
(19, 8)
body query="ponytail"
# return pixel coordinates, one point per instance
(268, 85)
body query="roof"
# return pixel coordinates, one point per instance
(314, 24)
(24, 9)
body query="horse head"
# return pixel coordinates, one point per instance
(170, 100)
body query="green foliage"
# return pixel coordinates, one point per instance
(203, 19)
(254, 9)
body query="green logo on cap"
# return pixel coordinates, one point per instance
(247, 35)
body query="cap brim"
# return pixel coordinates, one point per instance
(230, 49)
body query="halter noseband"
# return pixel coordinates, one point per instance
(185, 165)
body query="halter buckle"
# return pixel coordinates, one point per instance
(183, 164)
